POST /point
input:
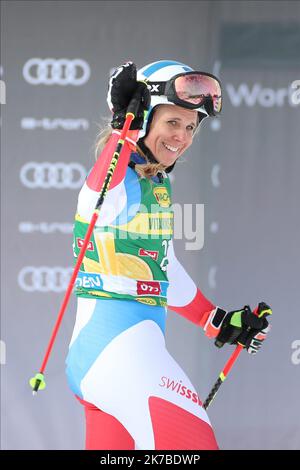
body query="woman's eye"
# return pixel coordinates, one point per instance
(172, 122)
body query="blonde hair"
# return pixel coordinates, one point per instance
(145, 170)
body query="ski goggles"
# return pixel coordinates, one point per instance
(191, 90)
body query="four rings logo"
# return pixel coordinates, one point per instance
(44, 278)
(52, 175)
(50, 71)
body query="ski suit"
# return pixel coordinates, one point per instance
(135, 394)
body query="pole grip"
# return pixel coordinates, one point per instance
(135, 102)
(262, 310)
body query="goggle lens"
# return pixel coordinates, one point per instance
(195, 88)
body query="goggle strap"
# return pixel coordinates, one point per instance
(156, 88)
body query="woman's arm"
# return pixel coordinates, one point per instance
(115, 199)
(183, 295)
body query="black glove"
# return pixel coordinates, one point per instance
(122, 87)
(244, 327)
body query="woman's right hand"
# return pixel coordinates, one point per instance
(122, 87)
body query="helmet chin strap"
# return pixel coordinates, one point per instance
(150, 155)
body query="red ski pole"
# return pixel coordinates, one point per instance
(37, 382)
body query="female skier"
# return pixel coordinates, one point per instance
(134, 393)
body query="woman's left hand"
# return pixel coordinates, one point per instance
(246, 327)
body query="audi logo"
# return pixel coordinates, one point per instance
(44, 278)
(57, 175)
(50, 71)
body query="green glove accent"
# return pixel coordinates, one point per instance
(236, 319)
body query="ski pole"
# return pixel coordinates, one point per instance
(37, 382)
(262, 310)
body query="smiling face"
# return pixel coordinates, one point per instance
(171, 132)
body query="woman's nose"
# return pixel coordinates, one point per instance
(180, 135)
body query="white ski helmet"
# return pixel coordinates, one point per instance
(162, 71)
